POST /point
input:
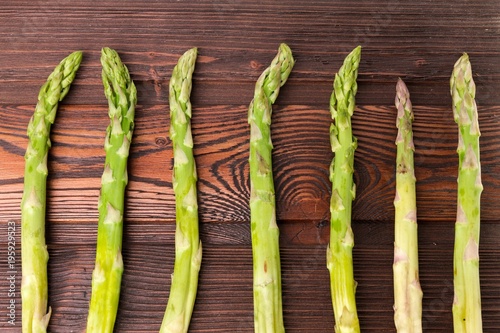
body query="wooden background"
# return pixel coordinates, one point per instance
(418, 41)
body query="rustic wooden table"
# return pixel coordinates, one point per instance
(418, 41)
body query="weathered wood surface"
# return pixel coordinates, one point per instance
(418, 41)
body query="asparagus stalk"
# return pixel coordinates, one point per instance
(344, 144)
(121, 94)
(467, 300)
(268, 316)
(407, 291)
(188, 250)
(34, 255)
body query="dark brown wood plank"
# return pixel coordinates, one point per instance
(227, 77)
(398, 39)
(301, 161)
(222, 293)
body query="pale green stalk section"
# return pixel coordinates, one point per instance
(467, 300)
(34, 255)
(188, 251)
(407, 291)
(268, 313)
(344, 144)
(121, 94)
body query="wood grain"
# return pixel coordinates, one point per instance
(418, 41)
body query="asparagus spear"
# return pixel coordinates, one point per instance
(407, 291)
(268, 316)
(467, 300)
(188, 250)
(34, 255)
(121, 94)
(339, 252)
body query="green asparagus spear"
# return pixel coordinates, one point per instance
(121, 94)
(407, 291)
(339, 253)
(188, 250)
(34, 255)
(268, 316)
(467, 300)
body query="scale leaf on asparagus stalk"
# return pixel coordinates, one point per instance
(188, 250)
(467, 299)
(344, 144)
(34, 255)
(121, 94)
(407, 291)
(268, 313)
